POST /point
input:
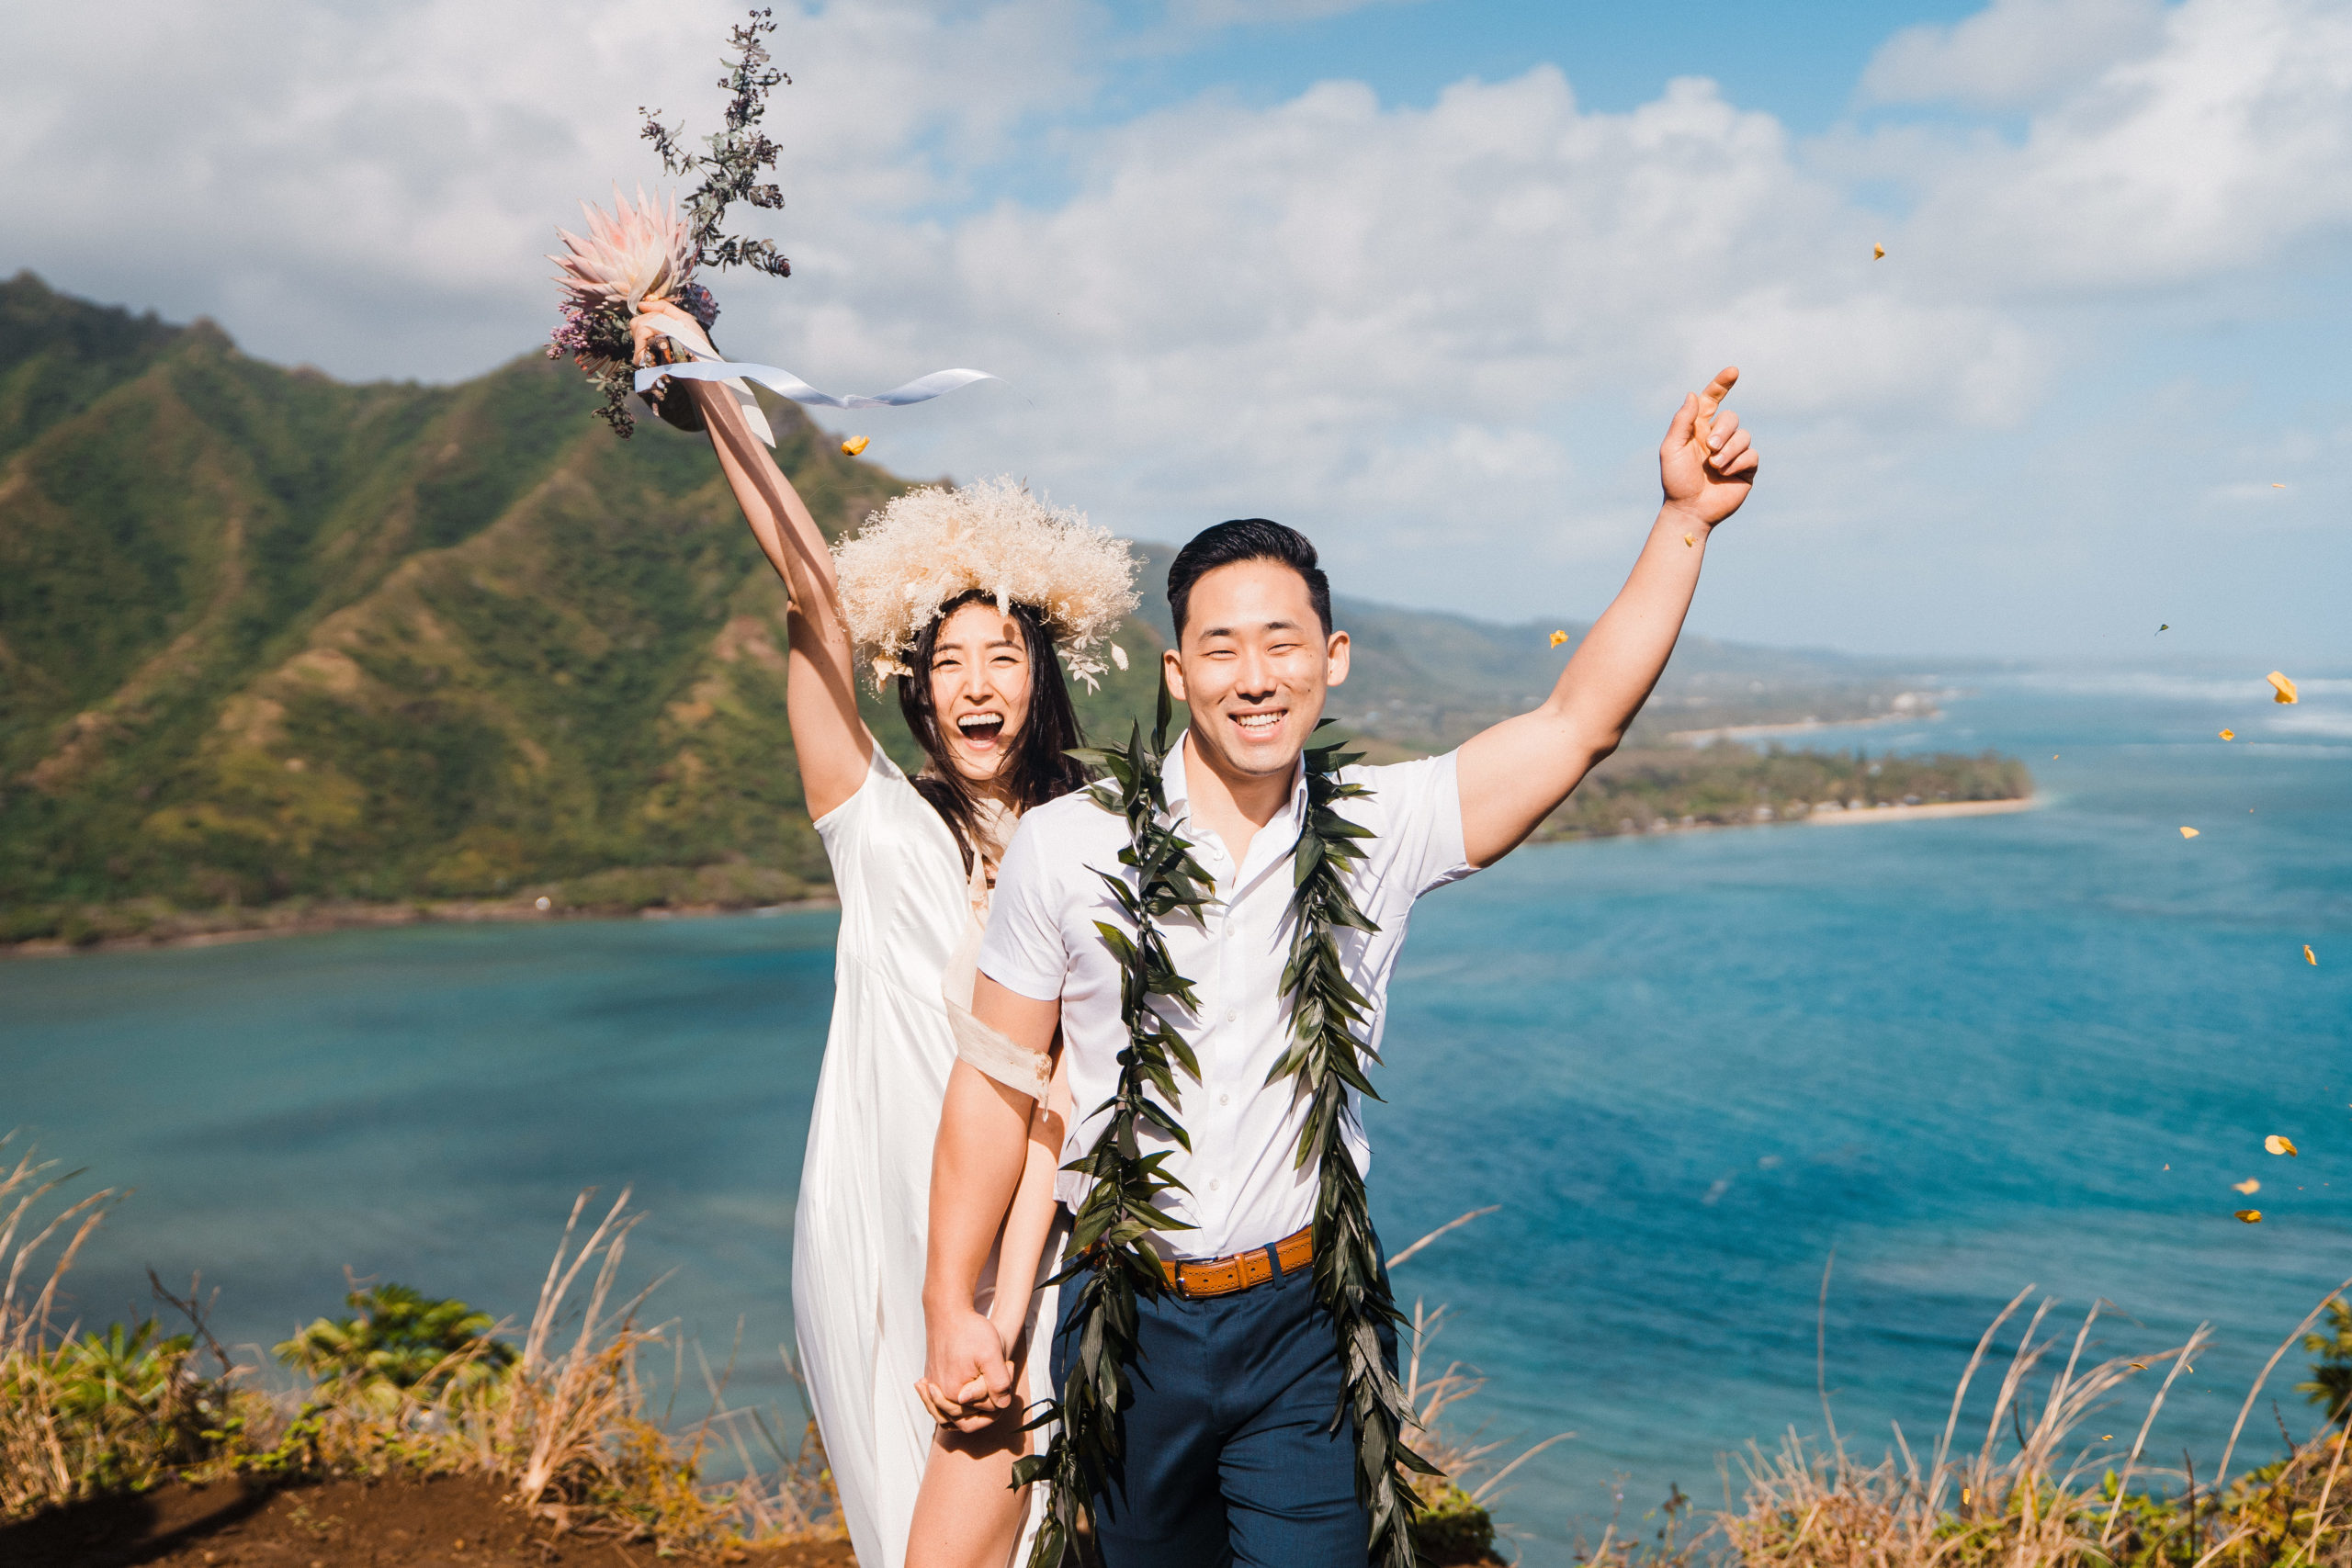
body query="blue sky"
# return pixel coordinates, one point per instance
(1422, 279)
(1798, 61)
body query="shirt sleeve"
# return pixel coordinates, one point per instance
(1416, 812)
(1023, 950)
(854, 816)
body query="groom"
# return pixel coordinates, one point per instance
(1232, 1452)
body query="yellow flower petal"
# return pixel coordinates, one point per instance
(2139, 1366)
(2275, 485)
(1559, 637)
(2228, 735)
(2188, 832)
(1689, 540)
(2251, 1216)
(2279, 1146)
(2283, 689)
(853, 447)
(2309, 956)
(2249, 1187)
(1878, 252)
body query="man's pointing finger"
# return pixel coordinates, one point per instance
(1717, 390)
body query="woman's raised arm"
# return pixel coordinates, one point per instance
(834, 747)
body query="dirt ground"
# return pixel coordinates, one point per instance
(450, 1522)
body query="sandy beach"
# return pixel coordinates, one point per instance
(1922, 813)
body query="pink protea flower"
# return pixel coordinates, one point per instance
(633, 255)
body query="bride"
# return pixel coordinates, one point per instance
(960, 597)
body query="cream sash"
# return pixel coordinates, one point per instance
(1014, 1066)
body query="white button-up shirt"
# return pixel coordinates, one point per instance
(1041, 943)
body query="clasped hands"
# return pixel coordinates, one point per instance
(971, 1355)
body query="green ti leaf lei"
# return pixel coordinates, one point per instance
(1109, 1252)
(1326, 1058)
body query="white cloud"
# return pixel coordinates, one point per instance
(1339, 312)
(1428, 333)
(2013, 53)
(371, 187)
(2221, 148)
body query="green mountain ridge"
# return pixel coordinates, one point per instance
(266, 636)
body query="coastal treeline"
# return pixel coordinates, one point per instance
(1722, 785)
(1730, 784)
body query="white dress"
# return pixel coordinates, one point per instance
(863, 1215)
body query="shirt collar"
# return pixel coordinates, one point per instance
(1270, 842)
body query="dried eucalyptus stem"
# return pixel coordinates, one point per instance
(738, 154)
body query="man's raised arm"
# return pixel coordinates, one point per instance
(974, 1169)
(1512, 776)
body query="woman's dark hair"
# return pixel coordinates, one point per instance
(1246, 538)
(1038, 768)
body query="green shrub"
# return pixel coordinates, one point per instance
(1450, 1528)
(119, 1409)
(2331, 1380)
(401, 1338)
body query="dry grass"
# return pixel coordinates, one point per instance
(44, 1448)
(2031, 1494)
(2028, 1493)
(567, 1426)
(1455, 1525)
(1469, 1462)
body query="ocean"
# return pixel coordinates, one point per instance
(1965, 1056)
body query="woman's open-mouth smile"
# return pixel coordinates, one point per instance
(982, 731)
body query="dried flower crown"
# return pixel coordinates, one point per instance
(934, 543)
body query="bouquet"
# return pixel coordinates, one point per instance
(646, 254)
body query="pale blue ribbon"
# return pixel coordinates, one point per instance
(920, 390)
(707, 367)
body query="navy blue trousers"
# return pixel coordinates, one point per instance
(1230, 1454)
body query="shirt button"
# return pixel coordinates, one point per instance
(1215, 1185)
(1231, 1014)
(1225, 1099)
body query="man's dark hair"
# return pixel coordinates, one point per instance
(1037, 770)
(1246, 538)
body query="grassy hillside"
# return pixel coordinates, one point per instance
(265, 636)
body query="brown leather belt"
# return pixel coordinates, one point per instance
(1242, 1271)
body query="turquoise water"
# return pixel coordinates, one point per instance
(1961, 1052)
